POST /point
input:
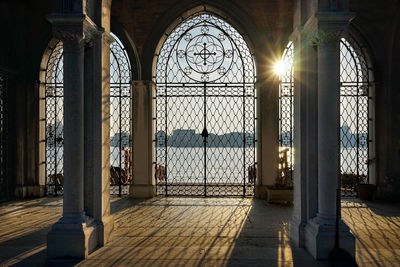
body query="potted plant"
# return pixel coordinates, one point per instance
(365, 190)
(349, 182)
(282, 190)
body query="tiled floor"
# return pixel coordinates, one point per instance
(197, 232)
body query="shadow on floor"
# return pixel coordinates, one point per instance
(264, 239)
(376, 227)
(197, 232)
(24, 228)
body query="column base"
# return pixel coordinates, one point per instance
(297, 232)
(142, 191)
(320, 238)
(29, 191)
(106, 229)
(72, 240)
(261, 191)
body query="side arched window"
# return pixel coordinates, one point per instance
(355, 115)
(52, 119)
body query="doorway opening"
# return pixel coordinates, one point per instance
(205, 111)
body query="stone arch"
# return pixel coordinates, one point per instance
(362, 40)
(50, 152)
(130, 47)
(354, 53)
(225, 70)
(184, 9)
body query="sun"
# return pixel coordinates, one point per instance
(281, 67)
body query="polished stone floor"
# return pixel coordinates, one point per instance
(197, 232)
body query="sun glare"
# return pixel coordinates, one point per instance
(281, 67)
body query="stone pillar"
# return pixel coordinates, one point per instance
(320, 231)
(267, 135)
(97, 133)
(305, 138)
(73, 128)
(328, 126)
(73, 236)
(143, 182)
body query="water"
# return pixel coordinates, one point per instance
(57, 163)
(224, 165)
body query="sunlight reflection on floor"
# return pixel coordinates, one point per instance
(197, 232)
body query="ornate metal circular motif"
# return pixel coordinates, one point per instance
(204, 53)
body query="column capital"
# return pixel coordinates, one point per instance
(324, 37)
(108, 39)
(74, 29)
(326, 27)
(331, 26)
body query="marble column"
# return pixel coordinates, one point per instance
(97, 133)
(74, 235)
(267, 135)
(305, 139)
(143, 183)
(320, 231)
(328, 126)
(73, 128)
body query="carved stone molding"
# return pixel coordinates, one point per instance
(325, 27)
(74, 29)
(323, 37)
(107, 38)
(68, 35)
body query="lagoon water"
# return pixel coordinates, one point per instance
(224, 164)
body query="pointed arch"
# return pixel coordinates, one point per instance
(356, 114)
(225, 9)
(51, 118)
(204, 77)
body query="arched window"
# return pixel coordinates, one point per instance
(286, 115)
(355, 117)
(205, 110)
(52, 114)
(354, 114)
(121, 118)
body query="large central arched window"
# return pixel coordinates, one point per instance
(52, 122)
(355, 115)
(205, 110)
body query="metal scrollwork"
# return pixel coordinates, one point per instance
(205, 111)
(205, 53)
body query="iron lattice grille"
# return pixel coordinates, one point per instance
(354, 113)
(54, 121)
(286, 118)
(3, 138)
(205, 111)
(120, 121)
